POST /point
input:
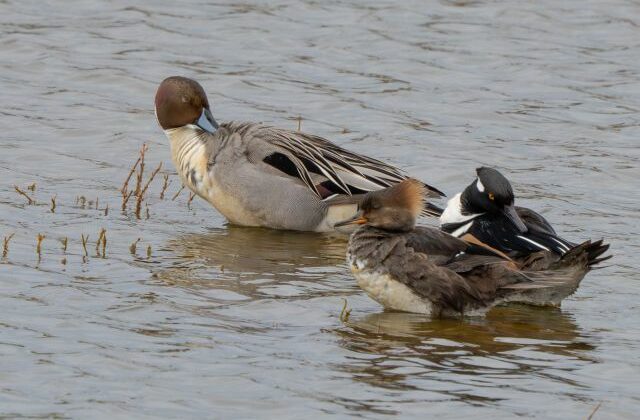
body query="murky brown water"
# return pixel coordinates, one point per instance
(222, 321)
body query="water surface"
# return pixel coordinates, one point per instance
(221, 321)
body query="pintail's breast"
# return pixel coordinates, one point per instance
(194, 163)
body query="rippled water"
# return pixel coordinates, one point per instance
(221, 321)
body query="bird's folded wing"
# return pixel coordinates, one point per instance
(305, 156)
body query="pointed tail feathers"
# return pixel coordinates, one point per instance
(595, 251)
(433, 191)
(545, 288)
(560, 280)
(431, 210)
(587, 253)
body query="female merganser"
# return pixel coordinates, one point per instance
(256, 175)
(425, 270)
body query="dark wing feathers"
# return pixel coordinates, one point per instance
(465, 263)
(436, 266)
(534, 221)
(447, 271)
(430, 241)
(501, 234)
(538, 247)
(312, 154)
(444, 288)
(299, 152)
(317, 150)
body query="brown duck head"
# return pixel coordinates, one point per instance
(181, 101)
(394, 209)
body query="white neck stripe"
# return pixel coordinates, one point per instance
(453, 212)
(461, 230)
(533, 242)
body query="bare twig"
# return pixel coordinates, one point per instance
(191, 197)
(53, 204)
(65, 242)
(344, 314)
(140, 172)
(85, 239)
(106, 210)
(165, 185)
(153, 175)
(101, 234)
(299, 122)
(39, 244)
(594, 410)
(125, 185)
(141, 193)
(5, 245)
(133, 246)
(32, 187)
(149, 251)
(177, 194)
(25, 195)
(125, 199)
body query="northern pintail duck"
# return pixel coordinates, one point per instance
(425, 270)
(484, 214)
(257, 175)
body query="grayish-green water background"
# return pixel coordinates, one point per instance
(229, 322)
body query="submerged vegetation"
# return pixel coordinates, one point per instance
(141, 188)
(30, 201)
(40, 238)
(133, 246)
(139, 192)
(5, 245)
(345, 312)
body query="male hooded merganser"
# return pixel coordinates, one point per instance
(256, 175)
(484, 214)
(426, 270)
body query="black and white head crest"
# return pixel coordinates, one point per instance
(495, 185)
(489, 194)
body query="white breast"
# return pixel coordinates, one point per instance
(228, 204)
(335, 214)
(189, 155)
(453, 212)
(388, 292)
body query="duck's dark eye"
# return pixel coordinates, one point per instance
(376, 206)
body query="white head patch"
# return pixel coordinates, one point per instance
(453, 212)
(480, 186)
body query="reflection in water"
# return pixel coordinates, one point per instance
(254, 262)
(514, 341)
(258, 250)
